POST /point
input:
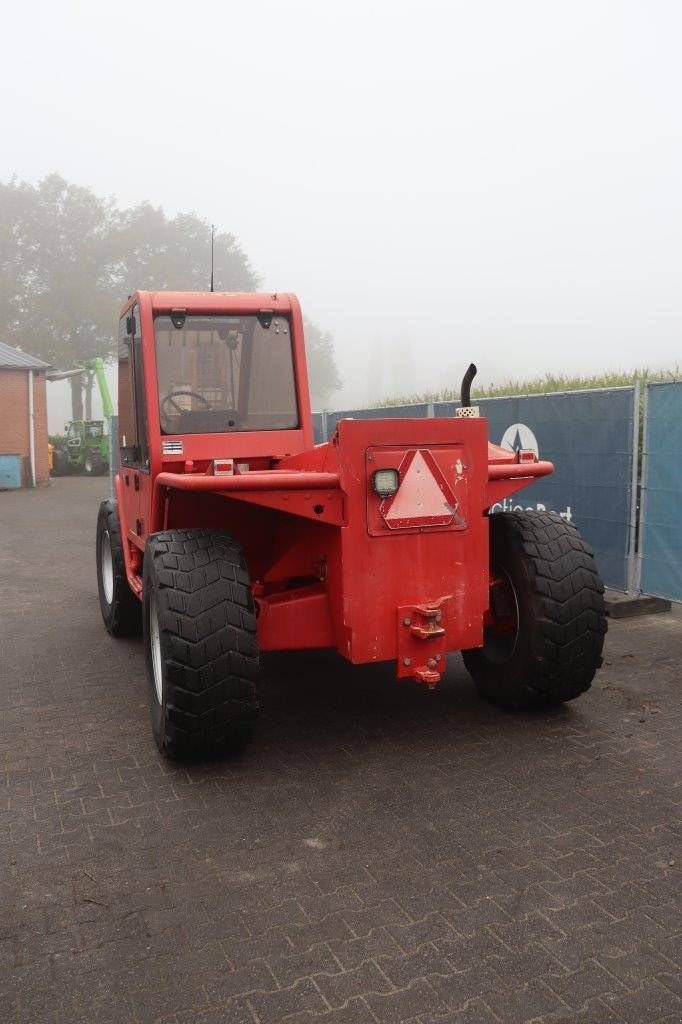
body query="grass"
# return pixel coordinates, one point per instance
(539, 386)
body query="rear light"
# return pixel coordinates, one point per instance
(223, 467)
(385, 482)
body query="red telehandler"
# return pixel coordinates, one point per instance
(233, 533)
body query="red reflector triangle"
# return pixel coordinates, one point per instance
(424, 497)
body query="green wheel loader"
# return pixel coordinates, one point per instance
(86, 449)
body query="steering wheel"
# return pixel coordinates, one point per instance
(170, 400)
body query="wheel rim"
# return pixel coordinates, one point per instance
(107, 568)
(155, 642)
(501, 631)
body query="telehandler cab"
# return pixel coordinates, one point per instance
(232, 533)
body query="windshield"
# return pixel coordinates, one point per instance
(218, 374)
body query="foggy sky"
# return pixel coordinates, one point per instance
(439, 182)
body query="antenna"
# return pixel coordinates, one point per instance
(211, 257)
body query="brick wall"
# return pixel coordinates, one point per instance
(14, 435)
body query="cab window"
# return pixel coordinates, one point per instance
(127, 426)
(218, 374)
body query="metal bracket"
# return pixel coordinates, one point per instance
(422, 641)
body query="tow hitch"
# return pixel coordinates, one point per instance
(421, 642)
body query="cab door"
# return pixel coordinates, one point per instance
(143, 482)
(132, 426)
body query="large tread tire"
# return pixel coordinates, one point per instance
(561, 616)
(60, 464)
(197, 589)
(121, 609)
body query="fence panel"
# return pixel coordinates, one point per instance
(589, 436)
(318, 427)
(382, 413)
(660, 546)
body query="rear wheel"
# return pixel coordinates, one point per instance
(201, 647)
(121, 610)
(545, 629)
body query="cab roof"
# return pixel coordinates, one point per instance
(214, 302)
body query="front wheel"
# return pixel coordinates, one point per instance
(121, 609)
(201, 649)
(544, 631)
(92, 464)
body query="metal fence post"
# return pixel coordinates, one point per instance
(642, 494)
(324, 426)
(631, 573)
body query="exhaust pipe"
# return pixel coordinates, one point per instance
(465, 393)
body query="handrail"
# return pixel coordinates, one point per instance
(258, 480)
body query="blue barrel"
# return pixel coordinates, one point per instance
(10, 472)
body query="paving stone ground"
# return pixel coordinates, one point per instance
(381, 853)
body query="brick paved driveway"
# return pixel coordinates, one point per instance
(380, 854)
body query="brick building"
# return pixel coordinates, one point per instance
(23, 413)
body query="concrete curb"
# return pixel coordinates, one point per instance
(624, 606)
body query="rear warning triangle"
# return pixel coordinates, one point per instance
(424, 497)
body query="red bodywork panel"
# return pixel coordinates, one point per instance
(333, 563)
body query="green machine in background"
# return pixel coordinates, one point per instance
(87, 441)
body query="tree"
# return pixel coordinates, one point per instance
(323, 373)
(56, 299)
(159, 253)
(68, 258)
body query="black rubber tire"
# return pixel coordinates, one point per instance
(60, 464)
(123, 615)
(208, 647)
(561, 617)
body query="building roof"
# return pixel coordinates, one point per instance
(14, 358)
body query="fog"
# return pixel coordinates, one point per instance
(439, 182)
